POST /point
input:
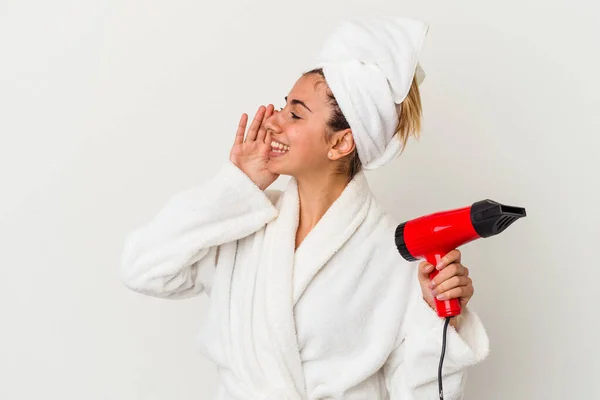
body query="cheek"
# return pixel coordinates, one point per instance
(307, 150)
(307, 143)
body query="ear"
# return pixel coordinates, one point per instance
(342, 144)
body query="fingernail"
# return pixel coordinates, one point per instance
(432, 284)
(433, 293)
(428, 268)
(439, 266)
(441, 297)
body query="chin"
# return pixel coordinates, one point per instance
(274, 168)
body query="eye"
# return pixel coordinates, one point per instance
(294, 116)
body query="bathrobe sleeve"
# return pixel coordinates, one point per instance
(412, 368)
(175, 253)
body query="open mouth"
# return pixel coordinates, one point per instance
(279, 148)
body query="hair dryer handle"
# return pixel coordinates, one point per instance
(444, 308)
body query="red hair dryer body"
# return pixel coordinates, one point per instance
(432, 236)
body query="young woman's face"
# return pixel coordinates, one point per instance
(301, 126)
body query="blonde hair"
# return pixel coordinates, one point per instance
(410, 111)
(409, 122)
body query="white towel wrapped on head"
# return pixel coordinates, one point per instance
(369, 65)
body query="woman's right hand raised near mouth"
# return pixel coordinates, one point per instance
(251, 154)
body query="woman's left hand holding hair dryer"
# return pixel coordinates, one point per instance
(453, 282)
(251, 153)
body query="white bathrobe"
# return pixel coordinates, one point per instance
(341, 317)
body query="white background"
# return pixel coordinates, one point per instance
(107, 108)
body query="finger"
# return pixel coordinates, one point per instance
(448, 284)
(239, 135)
(451, 257)
(462, 292)
(425, 269)
(253, 130)
(447, 273)
(262, 131)
(465, 299)
(268, 148)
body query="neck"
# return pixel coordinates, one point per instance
(317, 195)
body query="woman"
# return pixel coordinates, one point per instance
(309, 297)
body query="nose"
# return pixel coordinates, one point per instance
(272, 123)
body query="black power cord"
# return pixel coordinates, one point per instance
(441, 389)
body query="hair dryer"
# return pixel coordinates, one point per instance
(432, 236)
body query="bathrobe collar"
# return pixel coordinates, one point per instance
(290, 272)
(333, 230)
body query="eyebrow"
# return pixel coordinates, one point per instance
(295, 101)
